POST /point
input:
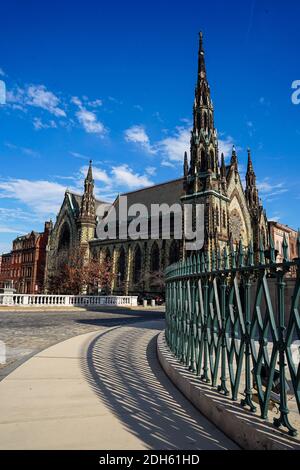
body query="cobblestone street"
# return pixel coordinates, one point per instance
(27, 332)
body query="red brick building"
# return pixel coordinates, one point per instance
(280, 231)
(24, 267)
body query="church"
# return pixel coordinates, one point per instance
(233, 213)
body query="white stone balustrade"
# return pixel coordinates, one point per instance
(37, 300)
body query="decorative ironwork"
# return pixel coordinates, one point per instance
(232, 323)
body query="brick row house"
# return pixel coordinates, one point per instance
(24, 267)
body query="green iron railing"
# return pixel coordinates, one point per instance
(226, 324)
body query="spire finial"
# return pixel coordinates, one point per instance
(201, 42)
(234, 157)
(89, 175)
(185, 165)
(201, 61)
(223, 166)
(249, 166)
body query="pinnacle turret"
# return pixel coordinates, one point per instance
(87, 210)
(251, 192)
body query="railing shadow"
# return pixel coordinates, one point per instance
(123, 370)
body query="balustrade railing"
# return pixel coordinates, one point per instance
(45, 300)
(234, 322)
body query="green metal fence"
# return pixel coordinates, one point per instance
(224, 324)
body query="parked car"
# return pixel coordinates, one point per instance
(159, 299)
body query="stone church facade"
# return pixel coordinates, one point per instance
(232, 213)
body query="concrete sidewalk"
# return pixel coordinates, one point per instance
(86, 393)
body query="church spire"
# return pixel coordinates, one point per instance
(251, 192)
(204, 145)
(201, 59)
(223, 166)
(87, 209)
(89, 175)
(185, 165)
(233, 160)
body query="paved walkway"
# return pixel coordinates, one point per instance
(101, 390)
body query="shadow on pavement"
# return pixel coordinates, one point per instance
(123, 370)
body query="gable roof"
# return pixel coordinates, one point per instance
(75, 202)
(168, 192)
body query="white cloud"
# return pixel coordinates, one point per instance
(79, 155)
(88, 119)
(137, 134)
(41, 196)
(270, 190)
(225, 146)
(124, 176)
(2, 72)
(4, 229)
(168, 164)
(95, 103)
(25, 150)
(98, 174)
(37, 96)
(150, 170)
(139, 107)
(173, 147)
(39, 124)
(75, 100)
(15, 214)
(89, 122)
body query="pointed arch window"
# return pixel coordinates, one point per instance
(107, 256)
(224, 218)
(121, 265)
(137, 264)
(217, 216)
(64, 238)
(212, 160)
(174, 254)
(205, 120)
(154, 262)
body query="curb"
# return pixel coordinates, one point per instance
(248, 430)
(80, 309)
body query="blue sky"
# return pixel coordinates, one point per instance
(114, 82)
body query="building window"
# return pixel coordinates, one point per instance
(121, 265)
(174, 254)
(224, 218)
(154, 258)
(64, 238)
(137, 264)
(217, 216)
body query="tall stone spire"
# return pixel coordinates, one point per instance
(203, 107)
(204, 145)
(201, 59)
(87, 210)
(251, 191)
(185, 165)
(223, 166)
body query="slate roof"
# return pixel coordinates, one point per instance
(168, 192)
(75, 201)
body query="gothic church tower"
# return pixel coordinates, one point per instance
(87, 217)
(204, 179)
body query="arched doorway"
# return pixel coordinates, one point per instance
(137, 264)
